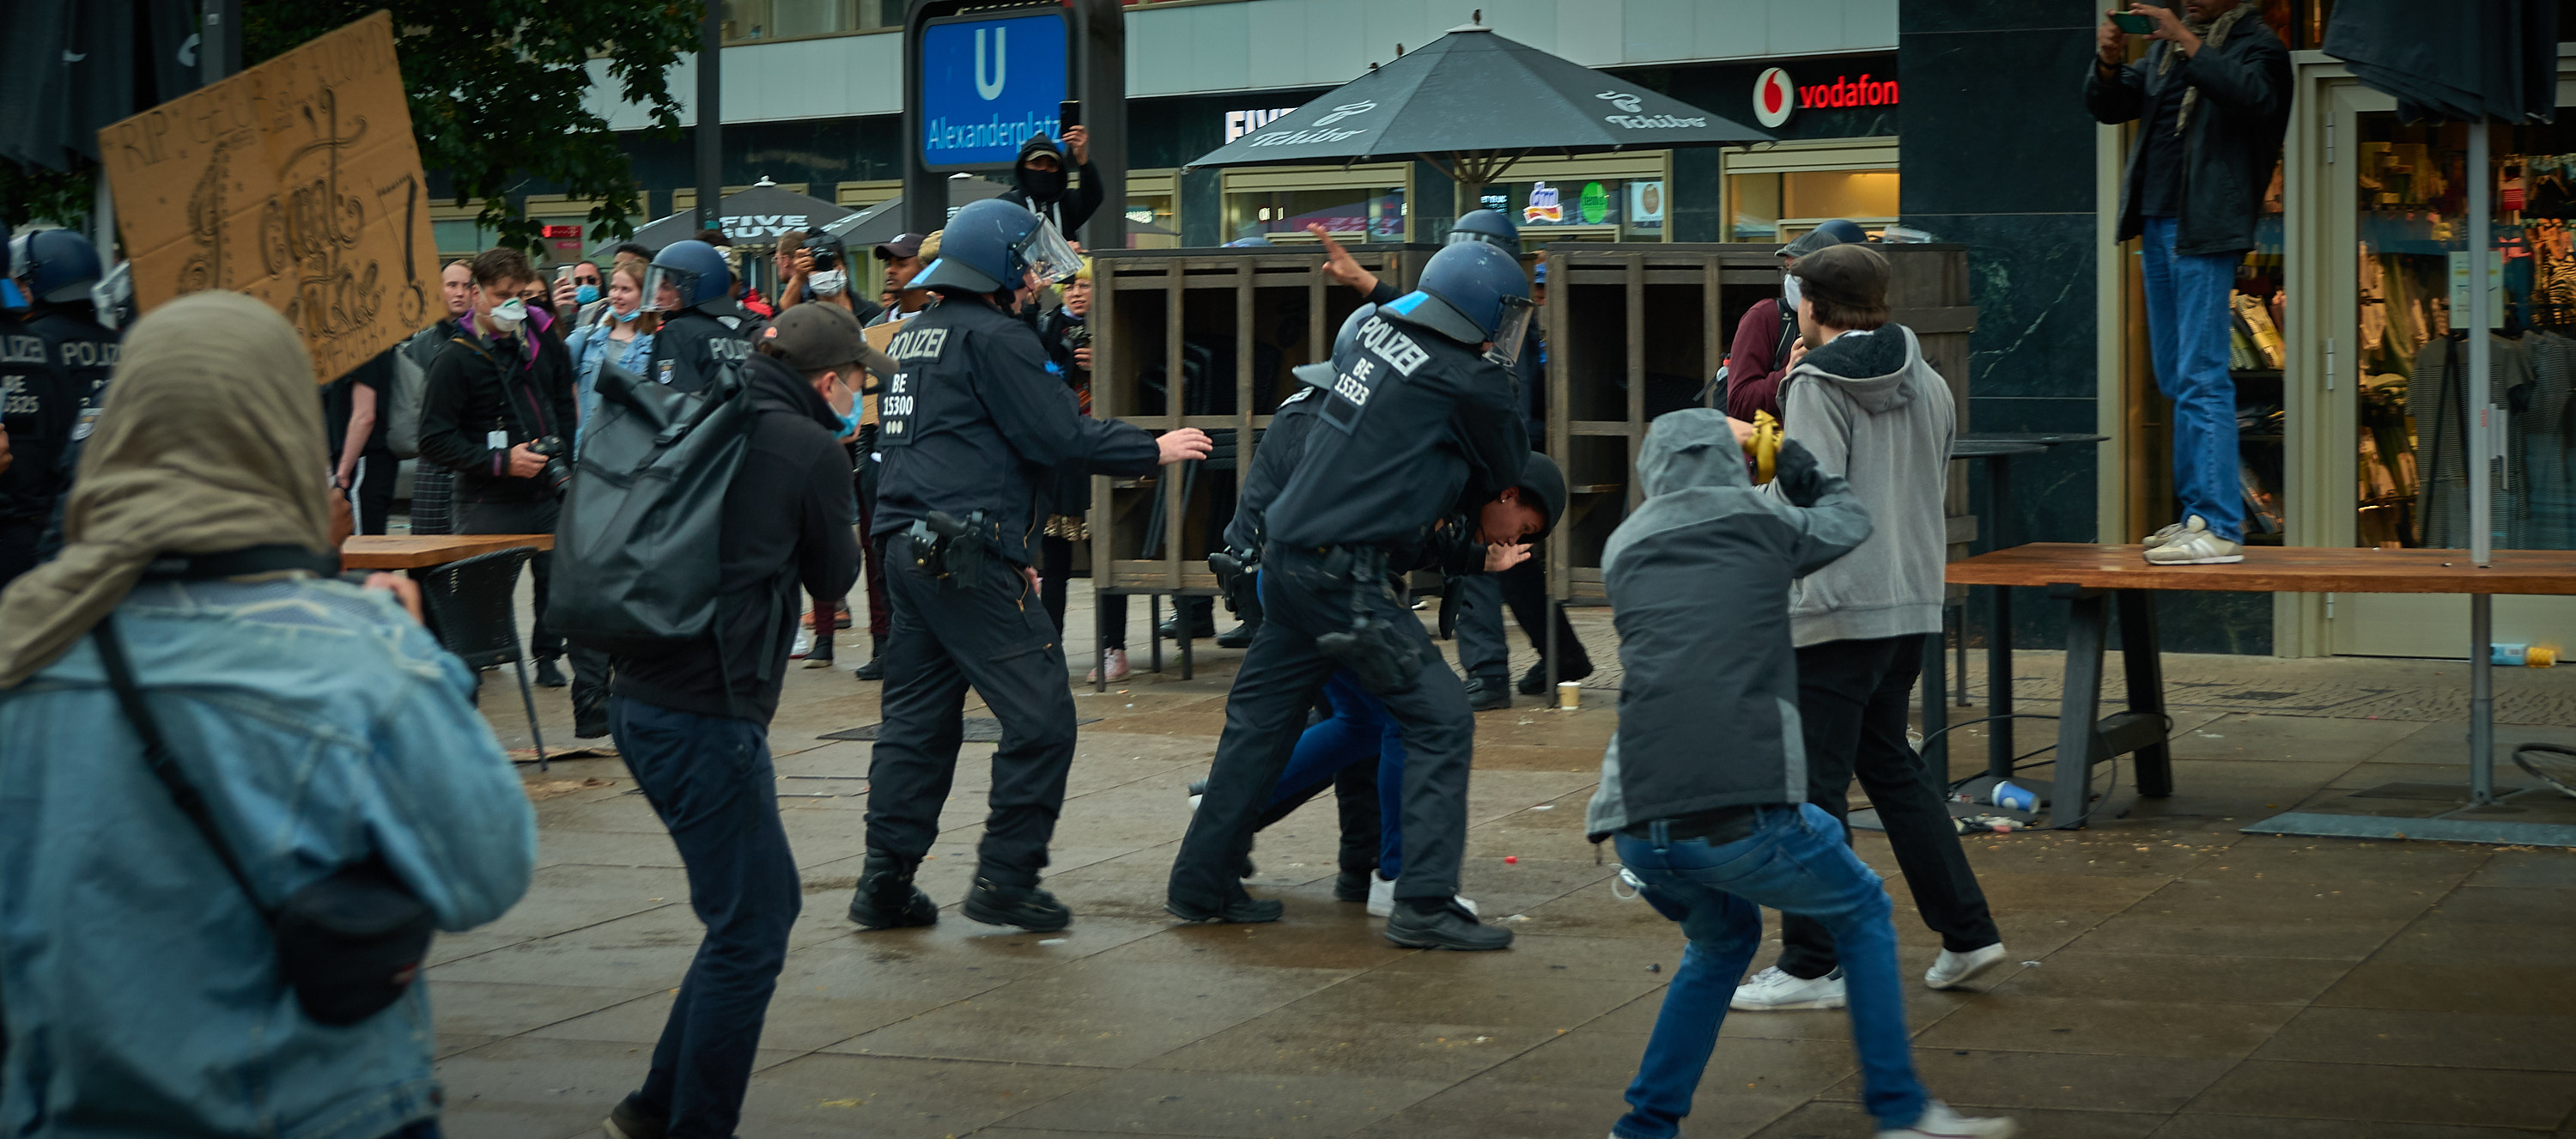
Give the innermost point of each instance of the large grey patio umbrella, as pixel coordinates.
(756, 216)
(1472, 103)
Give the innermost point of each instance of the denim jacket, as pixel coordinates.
(590, 348)
(139, 986)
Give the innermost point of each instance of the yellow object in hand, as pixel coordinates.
(1765, 446)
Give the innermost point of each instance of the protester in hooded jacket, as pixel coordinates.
(1040, 180)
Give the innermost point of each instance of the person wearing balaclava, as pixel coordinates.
(1040, 180)
(318, 723)
(1766, 340)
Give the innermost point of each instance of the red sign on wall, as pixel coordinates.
(562, 231)
(1776, 96)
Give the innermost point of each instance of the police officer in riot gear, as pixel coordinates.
(971, 426)
(53, 370)
(703, 330)
(1419, 420)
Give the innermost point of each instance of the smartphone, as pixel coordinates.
(1068, 116)
(564, 272)
(2132, 23)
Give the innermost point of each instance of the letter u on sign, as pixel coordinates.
(991, 88)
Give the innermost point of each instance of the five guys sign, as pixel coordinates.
(1775, 97)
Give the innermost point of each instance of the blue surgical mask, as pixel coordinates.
(849, 422)
(624, 317)
(585, 294)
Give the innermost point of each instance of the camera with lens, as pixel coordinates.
(558, 456)
(827, 257)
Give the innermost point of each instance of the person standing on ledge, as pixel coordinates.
(2214, 94)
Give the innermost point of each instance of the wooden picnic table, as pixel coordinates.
(2092, 578)
(421, 551)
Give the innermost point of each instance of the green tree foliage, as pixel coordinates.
(496, 90)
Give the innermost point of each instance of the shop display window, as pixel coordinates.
(1582, 209)
(2413, 469)
(1358, 213)
(1154, 210)
(1779, 205)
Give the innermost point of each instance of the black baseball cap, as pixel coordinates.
(903, 245)
(812, 337)
(1542, 482)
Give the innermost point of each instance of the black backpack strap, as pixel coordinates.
(156, 754)
(273, 557)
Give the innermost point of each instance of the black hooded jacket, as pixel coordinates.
(2229, 145)
(788, 519)
(1067, 206)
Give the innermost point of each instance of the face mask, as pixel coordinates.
(585, 294)
(623, 317)
(1044, 185)
(1789, 292)
(510, 314)
(849, 423)
(830, 284)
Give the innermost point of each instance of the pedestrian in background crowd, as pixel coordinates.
(1041, 179)
(320, 726)
(433, 487)
(578, 293)
(625, 336)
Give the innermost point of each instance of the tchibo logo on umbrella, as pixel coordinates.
(1632, 104)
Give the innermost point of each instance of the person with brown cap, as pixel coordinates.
(314, 726)
(1866, 405)
(1766, 342)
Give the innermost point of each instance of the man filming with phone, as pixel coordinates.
(2213, 96)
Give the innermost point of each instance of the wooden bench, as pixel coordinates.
(2091, 579)
(421, 551)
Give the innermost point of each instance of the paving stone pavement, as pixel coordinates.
(2169, 975)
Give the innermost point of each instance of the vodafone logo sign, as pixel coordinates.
(1774, 97)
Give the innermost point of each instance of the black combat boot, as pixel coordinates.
(887, 899)
(1027, 907)
(875, 668)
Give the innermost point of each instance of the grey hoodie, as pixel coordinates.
(1708, 709)
(1872, 411)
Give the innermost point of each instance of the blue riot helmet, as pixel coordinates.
(57, 265)
(1832, 233)
(1471, 292)
(993, 246)
(1488, 226)
(684, 275)
(1320, 373)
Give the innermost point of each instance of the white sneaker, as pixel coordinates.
(1772, 989)
(2196, 546)
(804, 646)
(2161, 537)
(1949, 969)
(1382, 898)
(1117, 669)
(1939, 1122)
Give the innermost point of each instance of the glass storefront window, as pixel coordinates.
(2413, 465)
(1780, 205)
(1364, 214)
(459, 237)
(1155, 210)
(1581, 209)
(749, 21)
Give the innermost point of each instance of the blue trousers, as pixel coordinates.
(2187, 333)
(1358, 731)
(709, 779)
(1796, 862)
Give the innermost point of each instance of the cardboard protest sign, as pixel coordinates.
(297, 182)
(878, 336)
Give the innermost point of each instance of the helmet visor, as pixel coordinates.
(1511, 331)
(668, 288)
(1048, 255)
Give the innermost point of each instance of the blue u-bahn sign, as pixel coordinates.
(987, 84)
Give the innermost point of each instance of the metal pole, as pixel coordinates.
(1101, 86)
(2482, 433)
(2481, 690)
(219, 42)
(102, 222)
(710, 130)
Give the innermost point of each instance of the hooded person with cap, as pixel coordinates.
(318, 723)
(1041, 180)
(1864, 402)
(1703, 785)
(692, 722)
(1766, 340)
(53, 372)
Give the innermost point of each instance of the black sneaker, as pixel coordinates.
(1445, 928)
(1202, 628)
(591, 726)
(1485, 695)
(886, 897)
(1352, 886)
(1237, 637)
(1027, 907)
(630, 1119)
(1534, 682)
(550, 674)
(1241, 909)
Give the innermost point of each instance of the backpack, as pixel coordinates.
(636, 558)
(403, 391)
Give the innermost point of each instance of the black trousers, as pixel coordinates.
(1524, 590)
(371, 491)
(1483, 654)
(1304, 595)
(993, 634)
(1852, 701)
(532, 516)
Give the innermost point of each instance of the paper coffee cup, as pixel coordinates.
(1569, 695)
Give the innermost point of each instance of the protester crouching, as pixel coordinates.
(324, 732)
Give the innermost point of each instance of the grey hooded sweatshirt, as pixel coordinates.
(1869, 409)
(1708, 710)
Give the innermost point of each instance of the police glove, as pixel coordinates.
(1797, 474)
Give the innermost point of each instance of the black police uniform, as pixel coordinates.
(1413, 425)
(695, 342)
(1484, 652)
(53, 371)
(972, 428)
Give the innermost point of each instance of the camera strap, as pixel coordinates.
(156, 754)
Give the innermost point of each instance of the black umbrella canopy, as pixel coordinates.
(1472, 102)
(755, 216)
(2482, 61)
(883, 222)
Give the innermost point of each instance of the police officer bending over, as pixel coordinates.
(53, 374)
(1420, 418)
(970, 428)
(702, 328)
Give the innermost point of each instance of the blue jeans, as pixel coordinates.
(1358, 731)
(2187, 333)
(1795, 862)
(709, 779)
